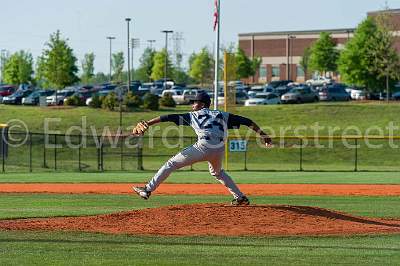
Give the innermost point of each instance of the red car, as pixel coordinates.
(7, 90)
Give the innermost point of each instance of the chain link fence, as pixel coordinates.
(57, 152)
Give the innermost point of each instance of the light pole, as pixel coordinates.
(110, 38)
(291, 37)
(129, 64)
(166, 56)
(150, 42)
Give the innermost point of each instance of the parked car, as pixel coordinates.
(6, 90)
(396, 96)
(319, 81)
(254, 90)
(176, 94)
(280, 90)
(236, 83)
(300, 94)
(58, 97)
(16, 97)
(335, 92)
(187, 96)
(360, 95)
(263, 98)
(241, 97)
(278, 83)
(102, 93)
(83, 95)
(34, 98)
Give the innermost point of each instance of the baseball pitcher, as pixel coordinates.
(211, 128)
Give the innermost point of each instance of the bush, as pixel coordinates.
(110, 101)
(96, 101)
(132, 101)
(167, 101)
(74, 101)
(150, 101)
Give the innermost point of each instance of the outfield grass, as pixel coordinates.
(341, 115)
(204, 177)
(49, 205)
(23, 248)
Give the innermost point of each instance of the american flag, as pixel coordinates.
(216, 15)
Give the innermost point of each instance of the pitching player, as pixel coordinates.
(211, 128)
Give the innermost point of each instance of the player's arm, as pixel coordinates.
(178, 119)
(235, 121)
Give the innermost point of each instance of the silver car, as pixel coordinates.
(300, 94)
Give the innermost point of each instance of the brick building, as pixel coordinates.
(281, 52)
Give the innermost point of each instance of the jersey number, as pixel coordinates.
(206, 124)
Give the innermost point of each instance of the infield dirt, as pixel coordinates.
(217, 220)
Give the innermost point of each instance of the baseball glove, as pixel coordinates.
(140, 128)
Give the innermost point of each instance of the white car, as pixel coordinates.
(358, 95)
(59, 97)
(263, 99)
(319, 81)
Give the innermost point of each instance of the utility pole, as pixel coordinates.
(110, 38)
(166, 56)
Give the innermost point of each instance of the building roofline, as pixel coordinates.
(384, 11)
(301, 32)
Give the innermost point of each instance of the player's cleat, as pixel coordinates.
(240, 201)
(142, 192)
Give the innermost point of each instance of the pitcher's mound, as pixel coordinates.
(215, 219)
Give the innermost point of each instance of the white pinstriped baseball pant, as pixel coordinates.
(201, 151)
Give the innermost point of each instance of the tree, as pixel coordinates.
(181, 76)
(324, 54)
(158, 69)
(100, 78)
(88, 68)
(19, 68)
(384, 57)
(245, 67)
(201, 70)
(118, 66)
(365, 54)
(143, 72)
(57, 64)
(305, 60)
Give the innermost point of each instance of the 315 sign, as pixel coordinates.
(237, 145)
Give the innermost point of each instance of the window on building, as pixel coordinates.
(276, 71)
(300, 71)
(263, 71)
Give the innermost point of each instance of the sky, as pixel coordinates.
(27, 25)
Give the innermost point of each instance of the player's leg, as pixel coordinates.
(215, 167)
(188, 156)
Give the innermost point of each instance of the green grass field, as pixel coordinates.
(61, 248)
(189, 177)
(341, 115)
(97, 249)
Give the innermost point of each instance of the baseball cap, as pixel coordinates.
(203, 97)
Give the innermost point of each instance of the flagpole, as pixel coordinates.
(216, 72)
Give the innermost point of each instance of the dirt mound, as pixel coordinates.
(215, 219)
